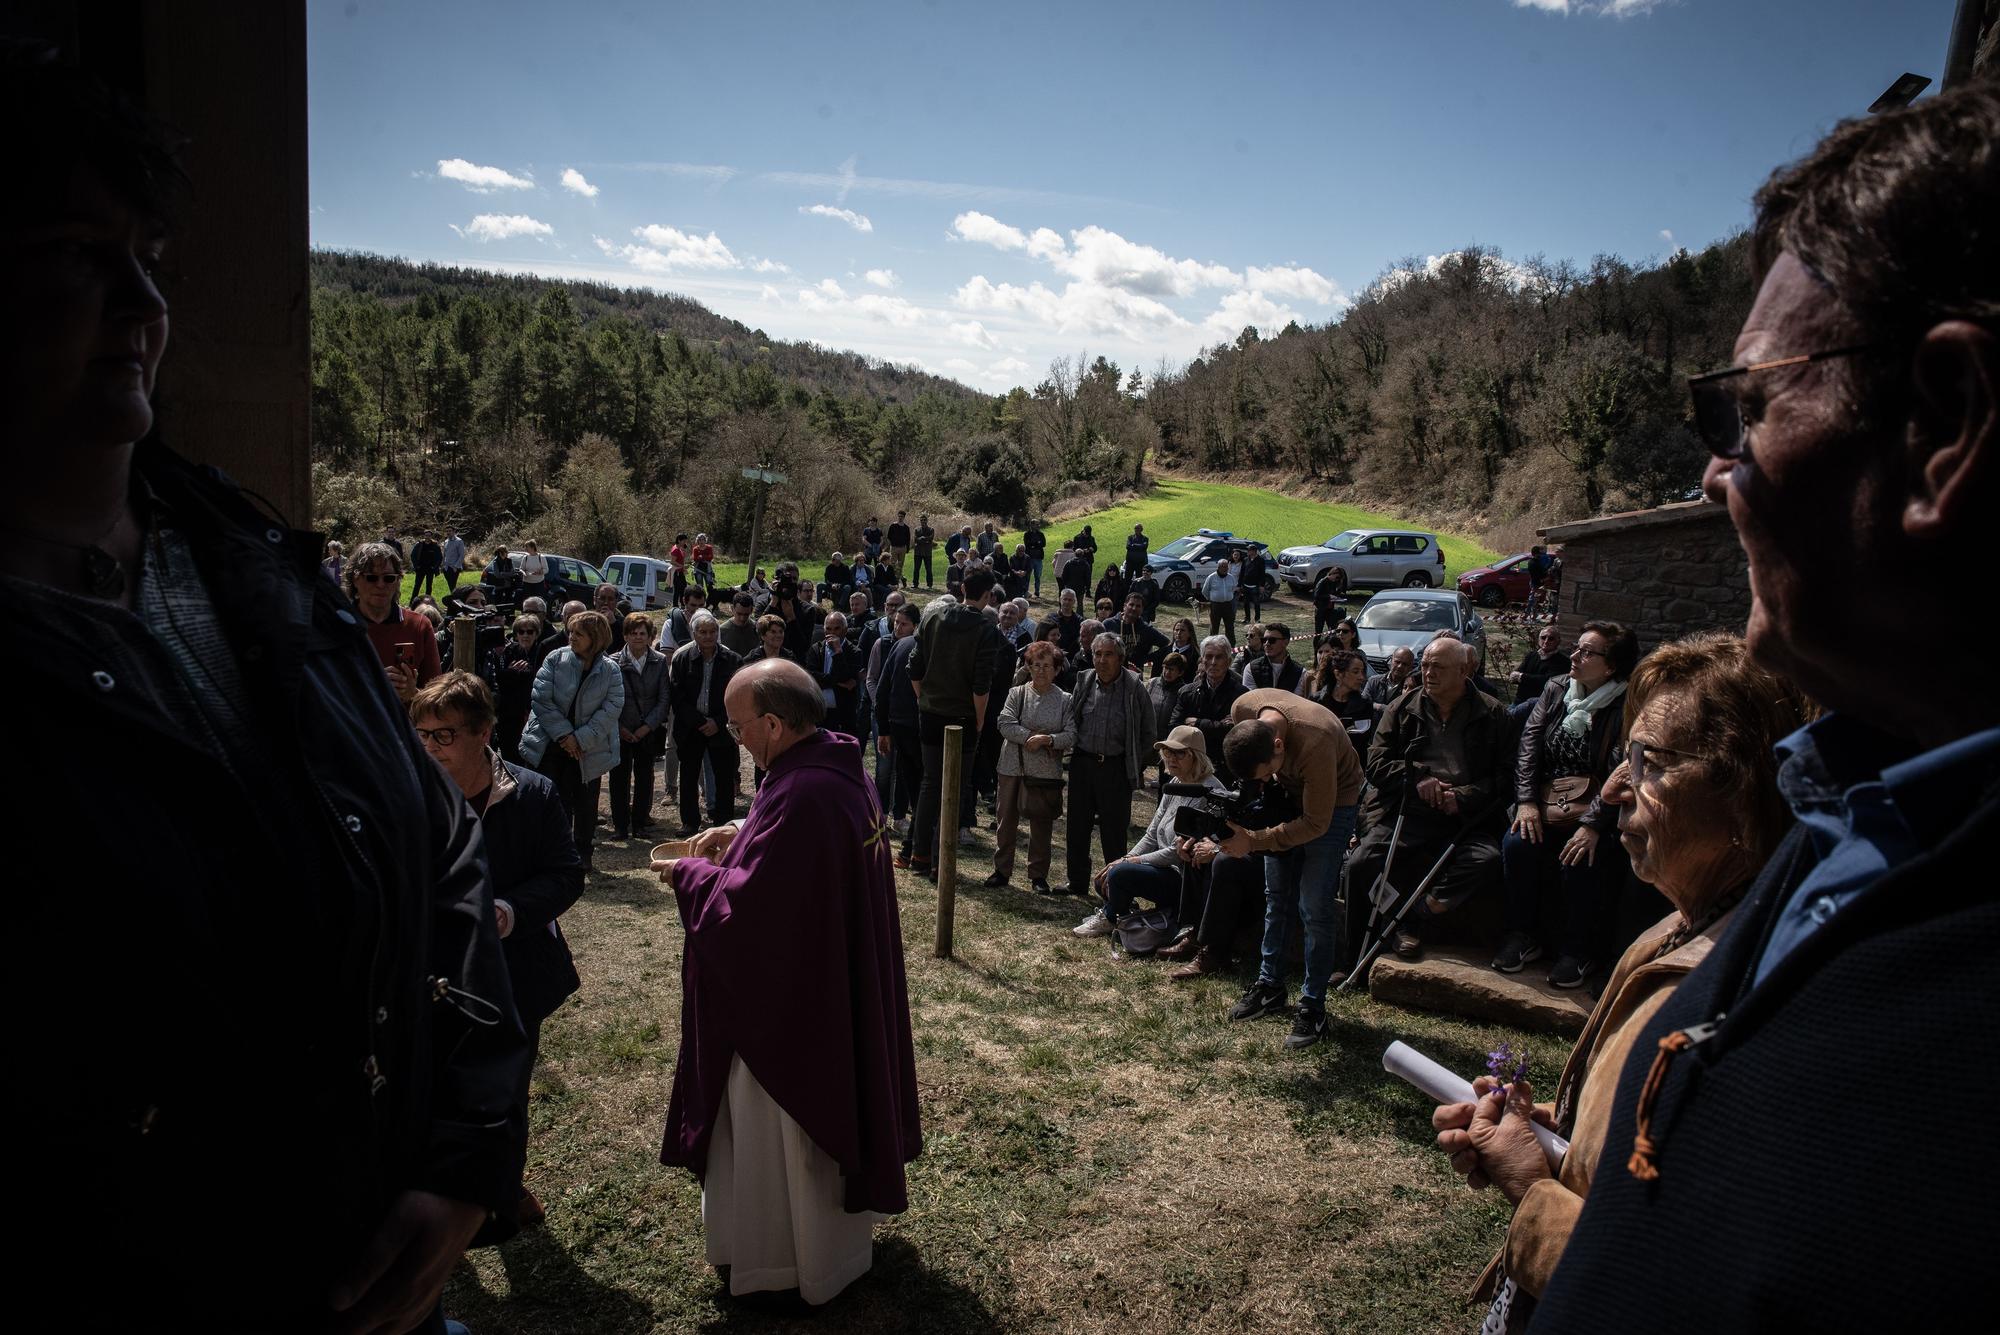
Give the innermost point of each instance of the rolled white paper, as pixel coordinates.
(1406, 1063)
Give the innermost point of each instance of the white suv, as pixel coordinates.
(1374, 558)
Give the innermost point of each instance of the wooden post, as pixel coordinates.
(756, 531)
(465, 644)
(947, 838)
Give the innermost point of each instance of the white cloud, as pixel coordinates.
(1007, 366)
(962, 366)
(885, 279)
(1080, 308)
(1294, 281)
(1104, 257)
(769, 266)
(572, 179)
(1616, 9)
(1248, 307)
(1667, 235)
(501, 226)
(481, 180)
(1045, 244)
(701, 171)
(973, 334)
(1100, 257)
(670, 248)
(975, 226)
(858, 222)
(890, 310)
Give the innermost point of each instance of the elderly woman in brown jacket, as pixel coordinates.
(1698, 811)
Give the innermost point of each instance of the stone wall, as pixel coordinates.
(1664, 572)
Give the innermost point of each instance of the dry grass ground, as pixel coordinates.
(1103, 1149)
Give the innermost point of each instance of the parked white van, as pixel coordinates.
(642, 581)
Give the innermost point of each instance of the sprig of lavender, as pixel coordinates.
(1507, 1064)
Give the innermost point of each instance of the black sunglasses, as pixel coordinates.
(1718, 414)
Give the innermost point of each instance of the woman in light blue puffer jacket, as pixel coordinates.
(572, 732)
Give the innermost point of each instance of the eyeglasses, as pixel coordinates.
(1581, 652)
(378, 579)
(736, 730)
(1718, 415)
(1637, 766)
(1276, 639)
(437, 736)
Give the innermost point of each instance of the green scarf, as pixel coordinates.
(1580, 710)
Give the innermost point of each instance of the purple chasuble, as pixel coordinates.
(794, 960)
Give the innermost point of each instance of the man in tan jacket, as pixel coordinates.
(1298, 745)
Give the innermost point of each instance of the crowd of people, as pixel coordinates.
(339, 1003)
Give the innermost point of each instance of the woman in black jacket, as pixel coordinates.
(1112, 586)
(1570, 746)
(510, 672)
(536, 872)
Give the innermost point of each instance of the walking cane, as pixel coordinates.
(1368, 957)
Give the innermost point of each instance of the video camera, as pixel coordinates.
(1254, 806)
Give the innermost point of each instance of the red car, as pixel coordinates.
(1501, 583)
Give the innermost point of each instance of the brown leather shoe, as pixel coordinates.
(1207, 960)
(1183, 949)
(529, 1213)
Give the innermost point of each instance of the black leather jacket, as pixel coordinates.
(1607, 731)
(270, 994)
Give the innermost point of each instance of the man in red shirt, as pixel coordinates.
(404, 640)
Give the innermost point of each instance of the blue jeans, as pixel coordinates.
(1035, 573)
(1307, 876)
(1142, 880)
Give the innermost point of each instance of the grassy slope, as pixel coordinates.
(1177, 506)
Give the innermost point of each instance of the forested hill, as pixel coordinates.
(431, 288)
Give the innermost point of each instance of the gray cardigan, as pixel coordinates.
(1025, 714)
(645, 690)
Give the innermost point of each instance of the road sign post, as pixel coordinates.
(766, 479)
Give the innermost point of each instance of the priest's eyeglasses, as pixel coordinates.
(1718, 412)
(736, 729)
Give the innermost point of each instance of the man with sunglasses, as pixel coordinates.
(1274, 668)
(1805, 1116)
(405, 641)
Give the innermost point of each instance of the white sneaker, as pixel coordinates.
(902, 826)
(1095, 925)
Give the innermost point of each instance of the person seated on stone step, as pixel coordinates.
(1440, 759)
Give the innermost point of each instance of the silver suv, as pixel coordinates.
(1374, 558)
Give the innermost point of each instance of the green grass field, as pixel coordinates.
(1176, 507)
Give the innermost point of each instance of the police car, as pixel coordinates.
(1181, 565)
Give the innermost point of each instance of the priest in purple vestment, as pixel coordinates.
(795, 1095)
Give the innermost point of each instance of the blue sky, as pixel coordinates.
(978, 189)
